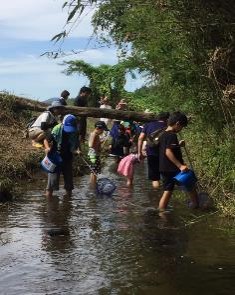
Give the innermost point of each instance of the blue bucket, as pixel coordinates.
(187, 179)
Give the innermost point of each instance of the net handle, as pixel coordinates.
(88, 165)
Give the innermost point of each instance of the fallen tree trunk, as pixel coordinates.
(22, 103)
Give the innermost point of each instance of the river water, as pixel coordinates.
(112, 245)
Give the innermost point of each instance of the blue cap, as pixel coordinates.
(70, 124)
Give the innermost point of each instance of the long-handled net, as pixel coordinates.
(104, 185)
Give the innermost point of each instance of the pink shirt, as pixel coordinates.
(126, 165)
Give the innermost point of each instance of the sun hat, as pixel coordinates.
(70, 124)
(101, 125)
(55, 104)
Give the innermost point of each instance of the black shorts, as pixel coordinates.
(153, 168)
(168, 180)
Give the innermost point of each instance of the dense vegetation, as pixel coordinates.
(18, 159)
(187, 49)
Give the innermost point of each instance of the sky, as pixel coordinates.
(26, 28)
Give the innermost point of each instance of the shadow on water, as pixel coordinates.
(111, 245)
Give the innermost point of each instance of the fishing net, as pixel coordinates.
(105, 186)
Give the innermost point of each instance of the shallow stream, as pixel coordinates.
(112, 245)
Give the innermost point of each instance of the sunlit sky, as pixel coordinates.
(26, 28)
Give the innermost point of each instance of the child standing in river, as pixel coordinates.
(95, 150)
(126, 167)
(64, 141)
(171, 160)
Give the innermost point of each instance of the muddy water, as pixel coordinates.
(119, 245)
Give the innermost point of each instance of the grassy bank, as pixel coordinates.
(18, 158)
(212, 156)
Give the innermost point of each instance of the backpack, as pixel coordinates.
(29, 124)
(154, 137)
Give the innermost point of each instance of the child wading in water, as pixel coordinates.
(64, 140)
(95, 149)
(126, 167)
(120, 142)
(171, 160)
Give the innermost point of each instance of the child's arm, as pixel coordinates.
(91, 142)
(170, 155)
(47, 146)
(140, 144)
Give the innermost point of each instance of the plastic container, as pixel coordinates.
(187, 179)
(51, 163)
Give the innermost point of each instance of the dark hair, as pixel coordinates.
(178, 117)
(101, 125)
(64, 93)
(85, 89)
(163, 116)
(121, 127)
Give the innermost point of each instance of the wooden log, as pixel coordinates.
(22, 103)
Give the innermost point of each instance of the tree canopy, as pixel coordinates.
(104, 79)
(186, 46)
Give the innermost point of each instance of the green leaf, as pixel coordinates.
(65, 4)
(73, 12)
(57, 37)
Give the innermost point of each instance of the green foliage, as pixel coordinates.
(187, 48)
(104, 79)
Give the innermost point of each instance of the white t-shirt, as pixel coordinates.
(105, 106)
(46, 117)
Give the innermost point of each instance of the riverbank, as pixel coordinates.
(18, 159)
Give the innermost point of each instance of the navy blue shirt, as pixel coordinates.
(150, 128)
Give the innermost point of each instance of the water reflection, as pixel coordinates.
(56, 214)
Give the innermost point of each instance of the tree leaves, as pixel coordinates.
(74, 11)
(57, 37)
(104, 79)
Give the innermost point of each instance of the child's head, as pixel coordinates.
(121, 129)
(177, 120)
(65, 94)
(100, 127)
(85, 91)
(70, 124)
(56, 107)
